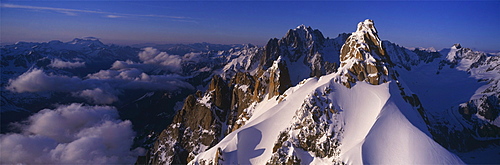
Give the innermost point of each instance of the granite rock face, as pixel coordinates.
(363, 57)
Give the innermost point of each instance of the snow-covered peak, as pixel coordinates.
(87, 41)
(302, 26)
(457, 53)
(303, 36)
(367, 26)
(452, 54)
(363, 44)
(363, 57)
(427, 49)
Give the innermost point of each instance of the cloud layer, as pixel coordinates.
(104, 86)
(37, 81)
(72, 134)
(152, 59)
(99, 88)
(97, 96)
(57, 63)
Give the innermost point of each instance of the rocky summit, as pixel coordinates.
(363, 58)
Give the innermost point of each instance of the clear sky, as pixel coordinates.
(439, 24)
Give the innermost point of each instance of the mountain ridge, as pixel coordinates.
(370, 59)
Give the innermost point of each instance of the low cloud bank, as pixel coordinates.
(57, 63)
(71, 134)
(104, 86)
(100, 87)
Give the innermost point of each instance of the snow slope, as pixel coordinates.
(378, 128)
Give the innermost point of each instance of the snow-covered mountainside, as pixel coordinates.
(458, 89)
(320, 121)
(256, 74)
(263, 107)
(356, 115)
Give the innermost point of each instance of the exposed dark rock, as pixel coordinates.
(221, 97)
(314, 121)
(271, 53)
(363, 57)
(279, 80)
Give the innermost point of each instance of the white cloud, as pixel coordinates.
(68, 13)
(97, 96)
(36, 80)
(74, 12)
(117, 65)
(154, 60)
(168, 62)
(98, 88)
(136, 79)
(57, 63)
(194, 57)
(71, 134)
(113, 16)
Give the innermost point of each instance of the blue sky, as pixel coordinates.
(438, 24)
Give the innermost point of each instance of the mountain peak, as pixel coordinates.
(303, 36)
(302, 26)
(362, 57)
(87, 41)
(456, 46)
(367, 26)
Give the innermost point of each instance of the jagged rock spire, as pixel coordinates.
(363, 58)
(298, 42)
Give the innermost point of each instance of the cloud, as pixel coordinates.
(168, 62)
(68, 13)
(194, 57)
(97, 96)
(57, 63)
(99, 88)
(125, 74)
(74, 12)
(136, 79)
(71, 134)
(152, 60)
(113, 16)
(36, 80)
(103, 87)
(117, 65)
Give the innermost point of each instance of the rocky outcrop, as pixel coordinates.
(196, 127)
(315, 129)
(363, 58)
(307, 48)
(271, 52)
(242, 94)
(279, 79)
(220, 90)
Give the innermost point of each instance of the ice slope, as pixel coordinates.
(397, 136)
(379, 127)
